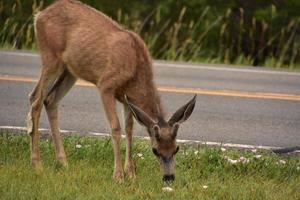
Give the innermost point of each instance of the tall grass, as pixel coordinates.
(231, 36)
(15, 31)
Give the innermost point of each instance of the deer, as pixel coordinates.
(76, 41)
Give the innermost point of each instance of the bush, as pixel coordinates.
(250, 32)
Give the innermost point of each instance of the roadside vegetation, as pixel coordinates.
(202, 173)
(262, 33)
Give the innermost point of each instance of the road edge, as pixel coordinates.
(45, 131)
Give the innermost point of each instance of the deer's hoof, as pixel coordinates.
(118, 175)
(37, 164)
(129, 172)
(61, 163)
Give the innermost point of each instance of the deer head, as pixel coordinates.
(163, 135)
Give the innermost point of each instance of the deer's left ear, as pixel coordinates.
(183, 113)
(140, 116)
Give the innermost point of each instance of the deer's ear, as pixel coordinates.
(140, 116)
(183, 113)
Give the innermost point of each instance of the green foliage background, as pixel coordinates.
(253, 32)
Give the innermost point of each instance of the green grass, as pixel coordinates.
(89, 175)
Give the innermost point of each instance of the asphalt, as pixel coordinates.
(216, 118)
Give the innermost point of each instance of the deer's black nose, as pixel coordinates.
(169, 178)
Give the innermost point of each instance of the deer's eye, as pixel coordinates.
(154, 150)
(177, 149)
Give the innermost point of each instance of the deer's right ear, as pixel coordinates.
(140, 116)
(183, 113)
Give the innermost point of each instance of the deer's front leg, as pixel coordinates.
(109, 104)
(129, 167)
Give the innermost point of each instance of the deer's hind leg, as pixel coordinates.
(58, 91)
(52, 69)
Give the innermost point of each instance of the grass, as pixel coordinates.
(89, 175)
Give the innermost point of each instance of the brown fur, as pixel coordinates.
(77, 41)
(95, 48)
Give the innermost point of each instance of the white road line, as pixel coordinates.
(215, 68)
(229, 145)
(186, 66)
(20, 54)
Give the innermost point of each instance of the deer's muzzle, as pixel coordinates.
(167, 166)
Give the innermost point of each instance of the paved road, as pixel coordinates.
(235, 105)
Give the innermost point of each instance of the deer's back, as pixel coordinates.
(90, 43)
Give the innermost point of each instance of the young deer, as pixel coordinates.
(77, 41)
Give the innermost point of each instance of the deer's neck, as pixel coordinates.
(143, 89)
(151, 104)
